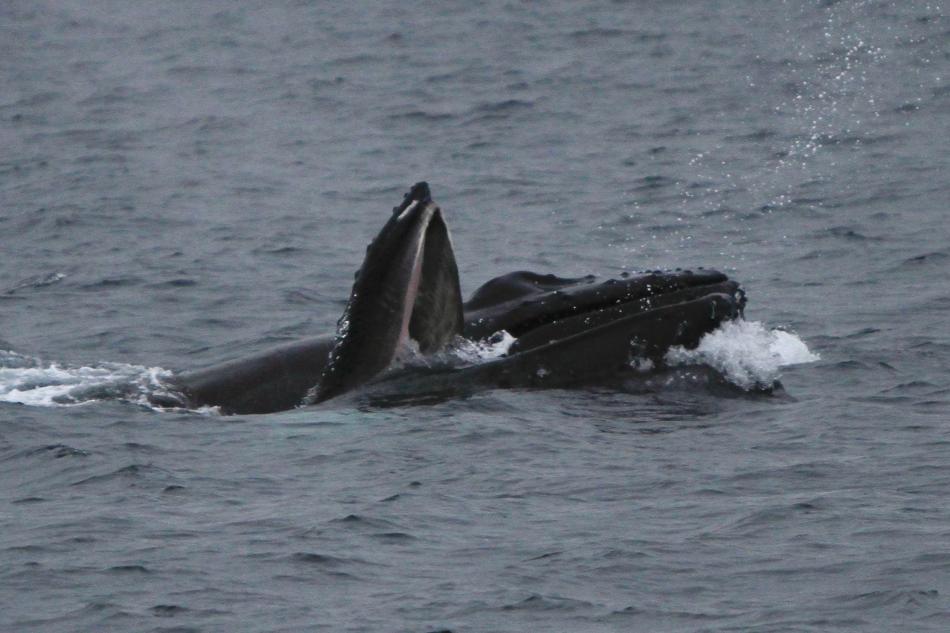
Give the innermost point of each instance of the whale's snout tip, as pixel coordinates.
(420, 191)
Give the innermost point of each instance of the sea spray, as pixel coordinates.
(746, 352)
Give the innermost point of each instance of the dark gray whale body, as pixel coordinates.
(567, 331)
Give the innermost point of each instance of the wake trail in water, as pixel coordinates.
(31, 381)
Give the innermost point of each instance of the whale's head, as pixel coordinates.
(407, 288)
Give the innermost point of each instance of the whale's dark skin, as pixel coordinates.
(567, 330)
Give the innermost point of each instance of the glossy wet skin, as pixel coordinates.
(585, 340)
(568, 331)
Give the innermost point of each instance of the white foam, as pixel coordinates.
(495, 346)
(746, 353)
(642, 365)
(27, 380)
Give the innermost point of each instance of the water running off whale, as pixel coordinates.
(547, 331)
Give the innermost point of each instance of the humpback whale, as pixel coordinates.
(566, 330)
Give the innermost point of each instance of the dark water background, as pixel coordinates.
(184, 182)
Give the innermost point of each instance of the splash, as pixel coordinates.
(495, 346)
(747, 353)
(27, 380)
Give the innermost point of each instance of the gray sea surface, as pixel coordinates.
(183, 183)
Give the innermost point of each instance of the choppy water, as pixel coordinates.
(183, 183)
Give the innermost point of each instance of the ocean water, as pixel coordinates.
(184, 183)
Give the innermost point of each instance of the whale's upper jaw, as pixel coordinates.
(407, 287)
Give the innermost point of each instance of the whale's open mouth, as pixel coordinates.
(407, 287)
(567, 330)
